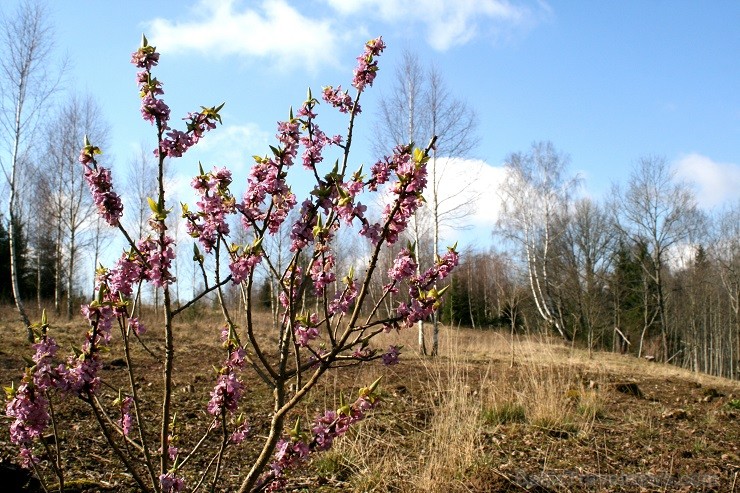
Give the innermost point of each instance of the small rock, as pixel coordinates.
(675, 414)
(712, 393)
(115, 363)
(629, 388)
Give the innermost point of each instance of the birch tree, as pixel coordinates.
(73, 206)
(419, 107)
(535, 197)
(26, 84)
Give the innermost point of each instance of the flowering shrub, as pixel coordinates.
(338, 331)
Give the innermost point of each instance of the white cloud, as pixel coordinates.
(461, 180)
(715, 182)
(448, 23)
(274, 31)
(232, 146)
(228, 146)
(469, 181)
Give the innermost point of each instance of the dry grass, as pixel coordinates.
(435, 434)
(435, 444)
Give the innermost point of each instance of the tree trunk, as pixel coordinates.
(13, 234)
(70, 274)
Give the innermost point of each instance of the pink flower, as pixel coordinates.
(145, 57)
(215, 204)
(322, 272)
(267, 179)
(343, 300)
(30, 408)
(305, 334)
(127, 420)
(313, 147)
(127, 271)
(154, 110)
(404, 266)
(390, 357)
(81, 374)
(240, 433)
(136, 326)
(106, 200)
(226, 394)
(367, 66)
(171, 483)
(159, 259)
(243, 265)
(340, 100)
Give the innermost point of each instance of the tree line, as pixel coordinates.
(645, 272)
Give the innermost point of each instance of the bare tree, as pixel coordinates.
(589, 241)
(454, 123)
(662, 213)
(26, 85)
(535, 197)
(400, 122)
(73, 206)
(727, 254)
(419, 107)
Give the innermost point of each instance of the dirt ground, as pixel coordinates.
(653, 427)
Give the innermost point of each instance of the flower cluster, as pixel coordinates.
(440, 270)
(127, 420)
(170, 483)
(341, 100)
(306, 329)
(215, 204)
(390, 357)
(242, 263)
(226, 394)
(29, 404)
(81, 373)
(228, 390)
(240, 432)
(313, 145)
(155, 110)
(410, 169)
(121, 278)
(404, 266)
(30, 408)
(158, 259)
(322, 272)
(325, 429)
(367, 65)
(425, 298)
(267, 178)
(344, 299)
(135, 324)
(100, 183)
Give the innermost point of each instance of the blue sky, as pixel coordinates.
(607, 82)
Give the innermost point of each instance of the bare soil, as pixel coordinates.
(657, 428)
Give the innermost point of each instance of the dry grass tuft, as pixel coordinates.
(431, 438)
